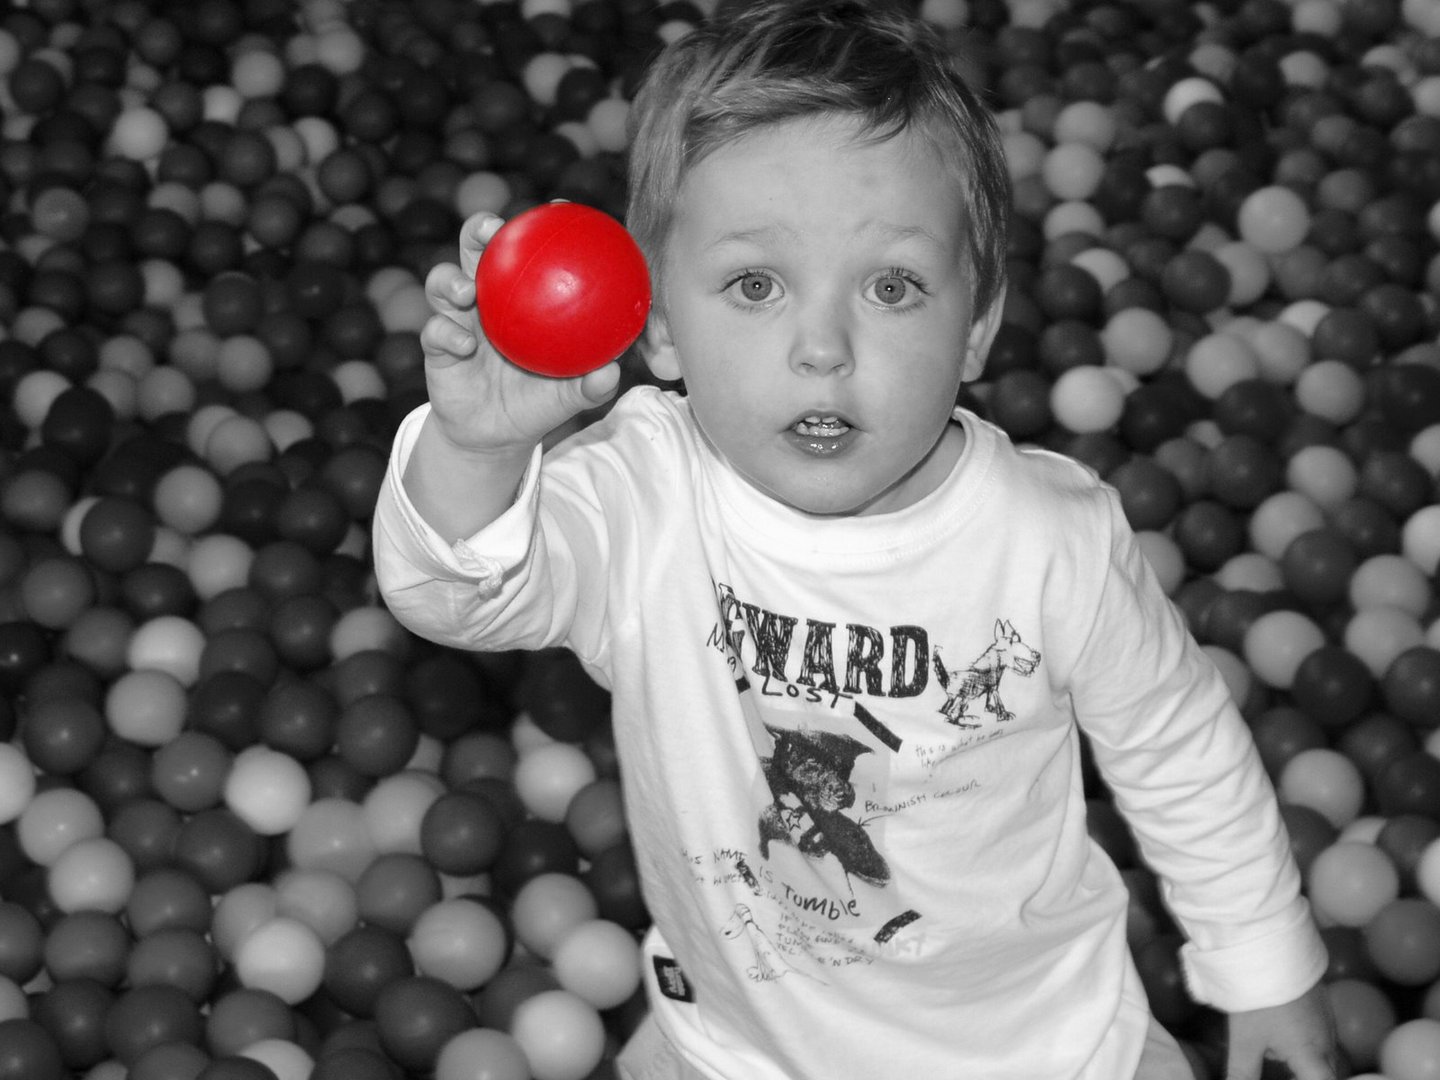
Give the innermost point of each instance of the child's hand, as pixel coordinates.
(1301, 1034)
(479, 400)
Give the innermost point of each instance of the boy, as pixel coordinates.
(851, 633)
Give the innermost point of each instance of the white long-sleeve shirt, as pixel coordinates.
(849, 750)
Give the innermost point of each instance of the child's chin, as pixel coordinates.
(824, 503)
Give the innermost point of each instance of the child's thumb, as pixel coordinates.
(599, 386)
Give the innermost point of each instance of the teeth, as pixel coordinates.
(825, 426)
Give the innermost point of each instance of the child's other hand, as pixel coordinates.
(481, 401)
(1300, 1034)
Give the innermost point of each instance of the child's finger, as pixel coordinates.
(449, 289)
(474, 235)
(444, 341)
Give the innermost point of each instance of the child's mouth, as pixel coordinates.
(821, 427)
(821, 434)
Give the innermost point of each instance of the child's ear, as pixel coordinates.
(658, 349)
(982, 335)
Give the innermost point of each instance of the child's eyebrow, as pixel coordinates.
(761, 234)
(767, 234)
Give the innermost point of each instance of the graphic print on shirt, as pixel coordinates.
(809, 775)
(981, 680)
(818, 891)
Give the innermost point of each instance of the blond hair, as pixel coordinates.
(769, 61)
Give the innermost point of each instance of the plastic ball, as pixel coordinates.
(1325, 781)
(1332, 685)
(146, 707)
(562, 289)
(1137, 340)
(1390, 581)
(548, 777)
(54, 820)
(321, 899)
(1403, 940)
(1072, 171)
(243, 1017)
(600, 962)
(1427, 873)
(460, 941)
(1277, 643)
(1324, 474)
(416, 1016)
(1411, 685)
(117, 534)
(174, 957)
(286, 1059)
(1218, 362)
(562, 1035)
(284, 957)
(461, 833)
(395, 809)
(31, 1052)
(165, 898)
(1364, 1016)
(1087, 399)
(357, 1062)
(547, 908)
(235, 1067)
(377, 734)
(1409, 784)
(596, 816)
(218, 848)
(267, 790)
(1274, 219)
(55, 592)
(144, 827)
(93, 874)
(1332, 390)
(332, 835)
(74, 1012)
(169, 644)
(1377, 635)
(395, 890)
(482, 1054)
(189, 771)
(1420, 538)
(1318, 567)
(361, 963)
(1349, 882)
(147, 1016)
(17, 782)
(1248, 271)
(1411, 1051)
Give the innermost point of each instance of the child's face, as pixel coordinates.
(817, 301)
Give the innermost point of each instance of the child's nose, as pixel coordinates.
(822, 343)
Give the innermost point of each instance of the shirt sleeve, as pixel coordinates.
(514, 584)
(1183, 769)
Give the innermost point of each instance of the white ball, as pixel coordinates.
(562, 1035)
(599, 960)
(283, 956)
(17, 782)
(268, 790)
(547, 778)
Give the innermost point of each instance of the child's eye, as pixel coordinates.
(753, 287)
(894, 289)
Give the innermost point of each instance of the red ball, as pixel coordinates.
(562, 290)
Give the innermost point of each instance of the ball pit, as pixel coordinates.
(252, 830)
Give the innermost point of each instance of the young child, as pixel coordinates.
(852, 634)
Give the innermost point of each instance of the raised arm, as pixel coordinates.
(487, 415)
